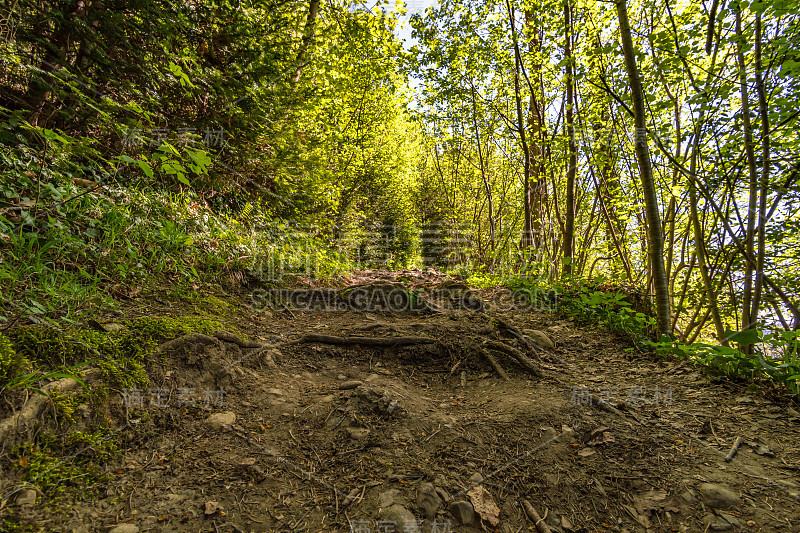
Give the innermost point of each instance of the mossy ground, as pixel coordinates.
(122, 353)
(66, 460)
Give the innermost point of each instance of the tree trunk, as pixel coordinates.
(527, 233)
(569, 221)
(308, 37)
(654, 234)
(749, 242)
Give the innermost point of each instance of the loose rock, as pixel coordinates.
(357, 433)
(539, 337)
(428, 500)
(718, 496)
(402, 519)
(125, 528)
(463, 512)
(218, 421)
(26, 497)
(388, 498)
(476, 478)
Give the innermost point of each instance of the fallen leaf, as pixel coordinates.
(484, 505)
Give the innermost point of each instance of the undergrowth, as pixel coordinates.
(626, 310)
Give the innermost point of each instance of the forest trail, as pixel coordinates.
(318, 432)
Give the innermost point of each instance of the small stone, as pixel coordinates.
(218, 421)
(443, 494)
(26, 497)
(327, 399)
(716, 523)
(341, 377)
(732, 520)
(275, 392)
(717, 496)
(549, 434)
(387, 499)
(125, 528)
(401, 518)
(357, 433)
(689, 497)
(349, 385)
(539, 337)
(476, 478)
(463, 512)
(428, 500)
(211, 508)
(372, 377)
(334, 421)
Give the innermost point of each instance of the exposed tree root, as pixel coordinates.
(363, 341)
(518, 356)
(492, 361)
(36, 404)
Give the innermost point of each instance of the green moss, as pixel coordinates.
(11, 362)
(65, 404)
(214, 305)
(121, 355)
(57, 464)
(161, 329)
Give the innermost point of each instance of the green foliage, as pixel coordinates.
(777, 359)
(598, 304)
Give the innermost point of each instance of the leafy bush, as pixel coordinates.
(776, 360)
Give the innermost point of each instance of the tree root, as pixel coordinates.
(383, 342)
(492, 361)
(36, 404)
(520, 357)
(538, 521)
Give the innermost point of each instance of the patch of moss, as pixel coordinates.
(213, 305)
(67, 463)
(11, 363)
(121, 355)
(161, 329)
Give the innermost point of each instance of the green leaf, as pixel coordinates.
(746, 337)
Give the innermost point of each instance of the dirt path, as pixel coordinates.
(423, 437)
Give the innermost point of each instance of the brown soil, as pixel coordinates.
(328, 437)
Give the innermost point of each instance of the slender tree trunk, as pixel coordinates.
(765, 168)
(538, 184)
(486, 185)
(699, 234)
(527, 233)
(654, 233)
(308, 37)
(749, 243)
(569, 221)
